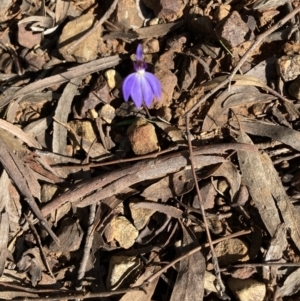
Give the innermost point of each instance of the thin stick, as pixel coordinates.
(191, 252)
(221, 286)
(37, 237)
(87, 247)
(95, 27)
(258, 40)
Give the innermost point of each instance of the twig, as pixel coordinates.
(95, 27)
(258, 40)
(37, 237)
(221, 286)
(66, 296)
(191, 252)
(87, 247)
(264, 264)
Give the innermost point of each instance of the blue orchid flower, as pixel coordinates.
(141, 86)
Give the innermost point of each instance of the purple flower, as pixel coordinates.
(141, 86)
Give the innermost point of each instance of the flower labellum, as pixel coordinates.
(141, 86)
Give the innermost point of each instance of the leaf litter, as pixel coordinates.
(193, 194)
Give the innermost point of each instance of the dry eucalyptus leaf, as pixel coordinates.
(255, 178)
(4, 230)
(278, 244)
(277, 132)
(61, 10)
(4, 8)
(62, 111)
(159, 190)
(32, 263)
(70, 234)
(189, 283)
(183, 182)
(231, 174)
(291, 284)
(149, 289)
(166, 209)
(289, 213)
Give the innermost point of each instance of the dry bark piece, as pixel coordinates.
(247, 289)
(123, 270)
(233, 31)
(123, 232)
(288, 67)
(87, 50)
(70, 234)
(142, 137)
(231, 251)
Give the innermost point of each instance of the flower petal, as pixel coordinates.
(127, 85)
(136, 91)
(139, 52)
(147, 91)
(155, 84)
